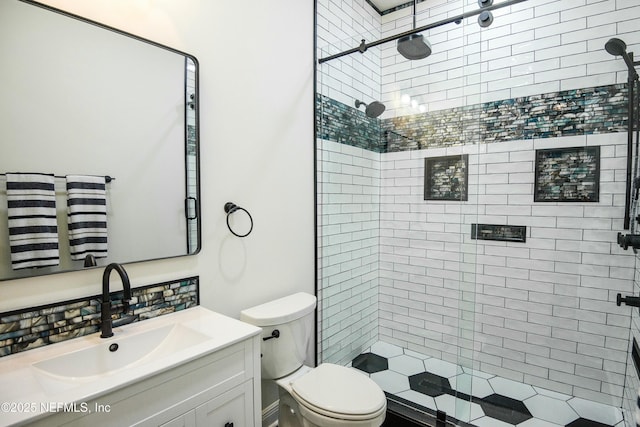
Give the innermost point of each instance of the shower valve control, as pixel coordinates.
(632, 301)
(626, 240)
(274, 334)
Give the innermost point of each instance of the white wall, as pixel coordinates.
(256, 116)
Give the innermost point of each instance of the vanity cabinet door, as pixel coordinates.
(231, 409)
(185, 420)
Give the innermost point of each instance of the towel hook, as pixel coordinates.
(230, 208)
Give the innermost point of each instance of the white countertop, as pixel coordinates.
(27, 393)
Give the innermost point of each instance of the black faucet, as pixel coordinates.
(90, 261)
(105, 311)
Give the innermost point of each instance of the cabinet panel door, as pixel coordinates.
(231, 409)
(185, 420)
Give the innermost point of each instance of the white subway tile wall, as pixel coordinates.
(542, 312)
(631, 397)
(538, 46)
(348, 239)
(340, 26)
(396, 268)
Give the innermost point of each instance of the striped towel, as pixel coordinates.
(87, 216)
(31, 210)
(637, 411)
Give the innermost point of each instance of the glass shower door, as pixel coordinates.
(396, 199)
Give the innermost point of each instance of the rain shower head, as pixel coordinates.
(414, 46)
(373, 109)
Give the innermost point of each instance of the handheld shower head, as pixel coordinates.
(616, 47)
(373, 109)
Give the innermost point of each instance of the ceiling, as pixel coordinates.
(383, 6)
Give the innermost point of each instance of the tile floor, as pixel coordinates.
(491, 402)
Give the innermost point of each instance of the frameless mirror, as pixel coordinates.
(81, 98)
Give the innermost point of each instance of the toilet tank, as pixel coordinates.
(292, 317)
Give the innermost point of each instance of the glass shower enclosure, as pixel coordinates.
(468, 259)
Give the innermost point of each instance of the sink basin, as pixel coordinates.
(117, 353)
(83, 369)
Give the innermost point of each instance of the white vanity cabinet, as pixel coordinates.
(226, 396)
(219, 389)
(231, 409)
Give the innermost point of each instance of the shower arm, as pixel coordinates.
(414, 14)
(364, 46)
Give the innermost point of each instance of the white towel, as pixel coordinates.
(87, 216)
(33, 229)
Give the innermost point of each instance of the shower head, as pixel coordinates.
(373, 109)
(414, 46)
(617, 47)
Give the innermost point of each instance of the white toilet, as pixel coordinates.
(327, 396)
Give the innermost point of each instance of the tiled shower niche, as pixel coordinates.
(34, 327)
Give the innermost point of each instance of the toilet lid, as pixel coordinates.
(339, 390)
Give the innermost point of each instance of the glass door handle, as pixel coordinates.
(632, 301)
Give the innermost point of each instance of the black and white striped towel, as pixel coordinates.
(87, 216)
(637, 411)
(33, 229)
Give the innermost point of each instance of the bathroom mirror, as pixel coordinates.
(81, 98)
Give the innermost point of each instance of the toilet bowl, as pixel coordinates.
(326, 396)
(331, 395)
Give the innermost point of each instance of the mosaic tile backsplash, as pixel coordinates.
(573, 112)
(38, 326)
(345, 124)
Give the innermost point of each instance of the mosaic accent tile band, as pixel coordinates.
(573, 112)
(34, 327)
(341, 123)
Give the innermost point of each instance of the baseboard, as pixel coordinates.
(270, 415)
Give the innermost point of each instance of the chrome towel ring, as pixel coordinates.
(230, 208)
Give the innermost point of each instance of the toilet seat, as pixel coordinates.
(338, 392)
